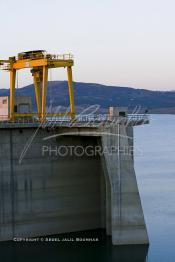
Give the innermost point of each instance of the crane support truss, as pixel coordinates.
(40, 63)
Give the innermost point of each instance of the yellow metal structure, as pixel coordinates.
(39, 62)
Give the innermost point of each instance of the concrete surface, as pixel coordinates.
(50, 194)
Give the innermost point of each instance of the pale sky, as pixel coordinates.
(114, 42)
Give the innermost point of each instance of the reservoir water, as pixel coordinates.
(155, 171)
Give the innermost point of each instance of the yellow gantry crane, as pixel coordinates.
(39, 62)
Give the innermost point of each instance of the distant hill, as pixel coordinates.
(89, 94)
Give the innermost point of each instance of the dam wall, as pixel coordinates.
(43, 192)
(125, 220)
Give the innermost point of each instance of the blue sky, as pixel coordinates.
(115, 42)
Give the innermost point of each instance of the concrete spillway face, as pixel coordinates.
(51, 194)
(124, 215)
(48, 193)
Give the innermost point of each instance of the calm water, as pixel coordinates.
(155, 169)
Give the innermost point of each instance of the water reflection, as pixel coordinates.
(72, 250)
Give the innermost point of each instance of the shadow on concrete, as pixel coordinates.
(72, 247)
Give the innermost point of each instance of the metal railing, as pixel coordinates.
(133, 119)
(60, 57)
(6, 65)
(109, 118)
(67, 56)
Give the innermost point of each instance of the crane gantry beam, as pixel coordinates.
(39, 62)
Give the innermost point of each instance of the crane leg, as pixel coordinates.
(44, 91)
(37, 86)
(12, 92)
(71, 91)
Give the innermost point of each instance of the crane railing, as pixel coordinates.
(5, 64)
(87, 120)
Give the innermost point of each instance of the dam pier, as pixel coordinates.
(42, 193)
(48, 189)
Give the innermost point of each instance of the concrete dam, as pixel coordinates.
(62, 172)
(46, 189)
